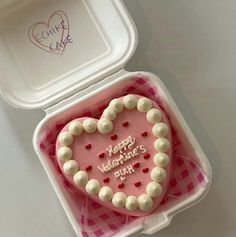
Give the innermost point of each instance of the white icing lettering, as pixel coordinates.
(117, 174)
(135, 152)
(130, 169)
(126, 152)
(124, 145)
(101, 169)
(143, 149)
(122, 173)
(109, 150)
(112, 164)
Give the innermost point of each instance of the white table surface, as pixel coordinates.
(191, 45)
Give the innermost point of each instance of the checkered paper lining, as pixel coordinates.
(96, 220)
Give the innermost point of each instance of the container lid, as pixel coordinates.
(51, 49)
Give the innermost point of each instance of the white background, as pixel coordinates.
(191, 45)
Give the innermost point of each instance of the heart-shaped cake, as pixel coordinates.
(122, 160)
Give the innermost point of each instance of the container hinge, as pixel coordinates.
(76, 97)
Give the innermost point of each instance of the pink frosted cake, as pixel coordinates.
(122, 160)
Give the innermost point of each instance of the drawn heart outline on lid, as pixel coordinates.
(55, 30)
(142, 190)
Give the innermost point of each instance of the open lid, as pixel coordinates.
(51, 49)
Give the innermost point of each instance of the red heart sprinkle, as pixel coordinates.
(145, 170)
(88, 146)
(114, 137)
(138, 184)
(106, 180)
(146, 156)
(126, 124)
(136, 165)
(144, 134)
(121, 185)
(101, 155)
(88, 168)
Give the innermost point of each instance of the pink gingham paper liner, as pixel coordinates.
(96, 220)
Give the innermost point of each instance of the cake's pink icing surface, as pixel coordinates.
(87, 158)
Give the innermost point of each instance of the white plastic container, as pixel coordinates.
(61, 55)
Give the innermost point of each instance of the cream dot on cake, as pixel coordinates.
(119, 199)
(158, 174)
(130, 101)
(76, 128)
(65, 138)
(144, 104)
(104, 126)
(70, 167)
(162, 145)
(105, 194)
(160, 130)
(64, 153)
(92, 186)
(90, 125)
(116, 105)
(109, 114)
(161, 160)
(81, 178)
(154, 189)
(154, 116)
(131, 203)
(145, 202)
